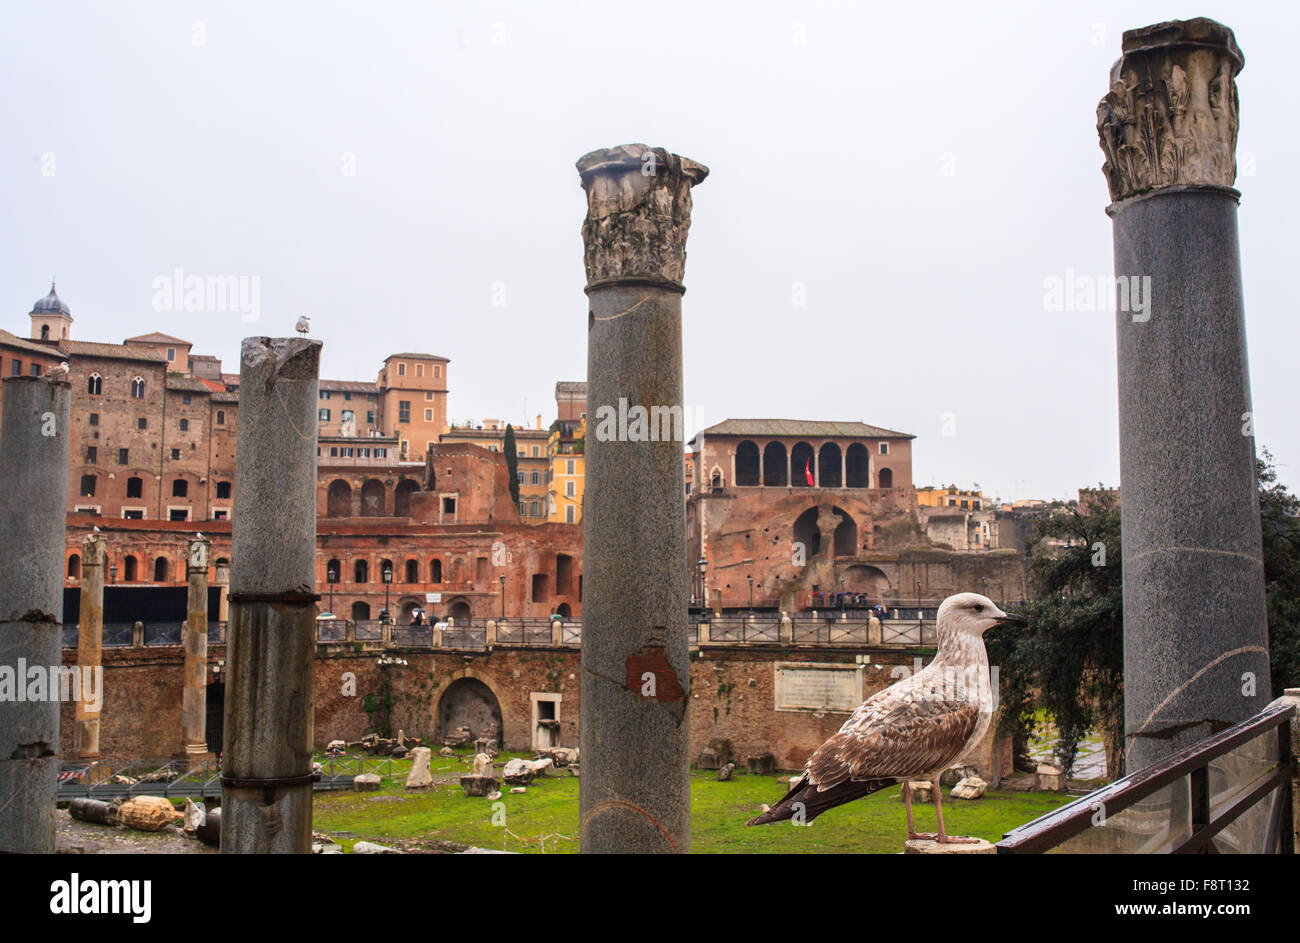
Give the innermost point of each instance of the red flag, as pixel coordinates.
(807, 472)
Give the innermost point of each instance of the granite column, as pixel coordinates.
(1195, 631)
(635, 787)
(33, 521)
(194, 639)
(267, 768)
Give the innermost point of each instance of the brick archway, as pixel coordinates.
(479, 689)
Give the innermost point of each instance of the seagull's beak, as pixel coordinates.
(1008, 619)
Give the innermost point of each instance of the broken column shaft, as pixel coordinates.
(266, 769)
(90, 645)
(635, 786)
(194, 639)
(33, 520)
(1195, 632)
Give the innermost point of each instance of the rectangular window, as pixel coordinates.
(36, 369)
(142, 423)
(123, 456)
(381, 453)
(92, 455)
(568, 466)
(94, 419)
(178, 514)
(437, 371)
(132, 514)
(220, 515)
(428, 397)
(334, 451)
(16, 368)
(323, 415)
(171, 354)
(401, 369)
(570, 489)
(176, 455)
(569, 515)
(884, 448)
(347, 396)
(419, 369)
(185, 398)
(428, 415)
(535, 452)
(370, 417)
(404, 410)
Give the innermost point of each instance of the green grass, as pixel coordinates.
(719, 811)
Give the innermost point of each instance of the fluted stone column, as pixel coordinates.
(194, 639)
(1195, 635)
(635, 787)
(266, 774)
(33, 519)
(90, 644)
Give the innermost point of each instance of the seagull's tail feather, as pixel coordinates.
(804, 796)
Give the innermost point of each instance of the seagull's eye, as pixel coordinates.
(979, 607)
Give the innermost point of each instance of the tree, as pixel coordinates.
(512, 462)
(1070, 660)
(1279, 512)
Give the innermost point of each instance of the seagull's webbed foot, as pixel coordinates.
(922, 836)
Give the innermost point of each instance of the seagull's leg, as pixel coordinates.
(944, 837)
(912, 834)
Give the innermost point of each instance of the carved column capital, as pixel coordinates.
(1170, 117)
(638, 214)
(94, 549)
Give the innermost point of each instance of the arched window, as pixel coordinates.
(333, 571)
(715, 482)
(774, 464)
(137, 388)
(221, 417)
(361, 572)
(829, 459)
(74, 567)
(412, 571)
(160, 570)
(803, 466)
(185, 425)
(435, 571)
(134, 487)
(45, 332)
(94, 384)
(855, 464)
(402, 497)
(129, 569)
(180, 488)
(534, 509)
(886, 477)
(339, 501)
(373, 498)
(360, 612)
(746, 464)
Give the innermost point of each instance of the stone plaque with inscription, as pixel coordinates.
(812, 686)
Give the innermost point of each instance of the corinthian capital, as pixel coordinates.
(638, 213)
(1170, 117)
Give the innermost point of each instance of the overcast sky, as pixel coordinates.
(404, 175)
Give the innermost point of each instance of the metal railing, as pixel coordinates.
(1229, 792)
(122, 634)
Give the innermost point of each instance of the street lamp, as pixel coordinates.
(331, 577)
(112, 573)
(502, 577)
(841, 593)
(918, 602)
(751, 597)
(703, 565)
(386, 571)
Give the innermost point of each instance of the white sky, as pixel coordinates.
(827, 127)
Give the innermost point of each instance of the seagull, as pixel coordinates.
(914, 729)
(95, 528)
(61, 370)
(303, 325)
(199, 536)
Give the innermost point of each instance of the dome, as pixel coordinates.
(51, 304)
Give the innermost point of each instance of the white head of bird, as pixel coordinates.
(971, 615)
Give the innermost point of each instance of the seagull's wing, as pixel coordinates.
(903, 731)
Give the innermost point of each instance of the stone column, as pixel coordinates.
(33, 519)
(1195, 634)
(194, 639)
(266, 781)
(222, 581)
(90, 645)
(635, 788)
